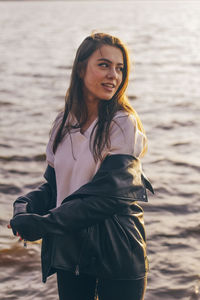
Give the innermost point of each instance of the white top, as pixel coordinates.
(73, 161)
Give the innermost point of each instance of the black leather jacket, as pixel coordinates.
(98, 229)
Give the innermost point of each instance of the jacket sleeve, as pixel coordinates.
(38, 201)
(73, 215)
(118, 183)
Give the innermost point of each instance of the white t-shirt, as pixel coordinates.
(73, 161)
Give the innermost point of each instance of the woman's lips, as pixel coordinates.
(108, 86)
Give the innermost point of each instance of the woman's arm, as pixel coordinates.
(115, 192)
(37, 201)
(40, 200)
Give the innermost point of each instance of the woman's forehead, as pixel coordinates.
(108, 52)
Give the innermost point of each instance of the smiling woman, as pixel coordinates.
(87, 212)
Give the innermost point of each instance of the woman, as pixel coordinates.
(87, 212)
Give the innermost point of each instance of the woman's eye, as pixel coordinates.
(120, 69)
(103, 65)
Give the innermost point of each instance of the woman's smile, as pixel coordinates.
(108, 86)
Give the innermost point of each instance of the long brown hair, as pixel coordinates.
(75, 104)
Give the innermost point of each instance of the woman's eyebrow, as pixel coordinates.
(109, 61)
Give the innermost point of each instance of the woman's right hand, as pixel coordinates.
(15, 233)
(31, 227)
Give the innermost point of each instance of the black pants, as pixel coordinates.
(85, 287)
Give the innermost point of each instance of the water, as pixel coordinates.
(38, 43)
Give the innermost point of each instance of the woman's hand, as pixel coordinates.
(15, 233)
(28, 226)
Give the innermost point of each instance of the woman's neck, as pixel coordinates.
(92, 108)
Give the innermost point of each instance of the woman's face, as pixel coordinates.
(103, 74)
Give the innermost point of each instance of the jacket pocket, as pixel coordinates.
(110, 253)
(135, 242)
(67, 249)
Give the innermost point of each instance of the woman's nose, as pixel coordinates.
(112, 73)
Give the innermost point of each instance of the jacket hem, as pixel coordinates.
(54, 269)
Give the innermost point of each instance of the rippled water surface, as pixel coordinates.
(37, 46)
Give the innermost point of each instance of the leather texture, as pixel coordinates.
(98, 230)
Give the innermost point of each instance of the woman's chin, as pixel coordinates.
(107, 97)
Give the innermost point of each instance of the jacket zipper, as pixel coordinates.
(77, 271)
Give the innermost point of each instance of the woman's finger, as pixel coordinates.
(17, 233)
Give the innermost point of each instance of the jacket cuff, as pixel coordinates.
(19, 208)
